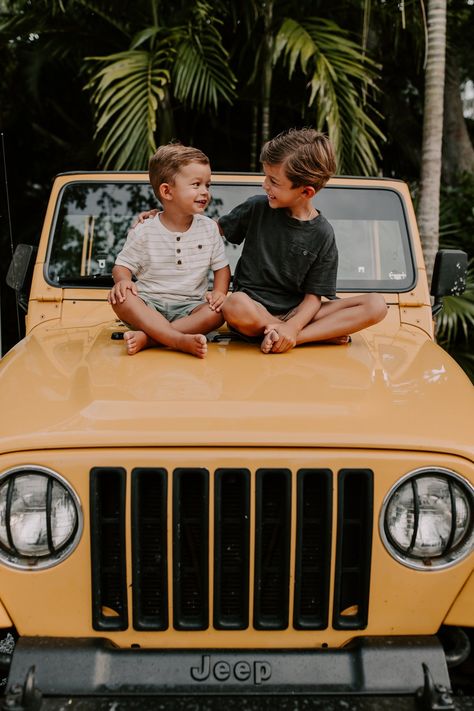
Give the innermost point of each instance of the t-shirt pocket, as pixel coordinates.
(298, 260)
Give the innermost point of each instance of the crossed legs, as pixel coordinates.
(153, 329)
(333, 322)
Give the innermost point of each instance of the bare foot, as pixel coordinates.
(136, 341)
(268, 340)
(194, 343)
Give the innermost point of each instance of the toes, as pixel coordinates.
(268, 341)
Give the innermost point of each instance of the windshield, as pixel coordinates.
(93, 218)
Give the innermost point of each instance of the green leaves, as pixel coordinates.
(201, 73)
(338, 75)
(127, 91)
(131, 90)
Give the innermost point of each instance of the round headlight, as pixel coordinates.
(40, 518)
(427, 519)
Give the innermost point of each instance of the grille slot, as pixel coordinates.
(313, 548)
(272, 548)
(149, 549)
(354, 543)
(231, 548)
(190, 549)
(107, 511)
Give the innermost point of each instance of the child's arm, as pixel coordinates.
(288, 330)
(123, 283)
(221, 287)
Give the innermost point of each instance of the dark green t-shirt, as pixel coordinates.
(282, 258)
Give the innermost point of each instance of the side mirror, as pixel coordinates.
(449, 276)
(20, 272)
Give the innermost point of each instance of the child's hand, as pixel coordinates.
(215, 299)
(287, 336)
(144, 216)
(118, 292)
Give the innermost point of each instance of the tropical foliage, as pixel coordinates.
(335, 69)
(172, 58)
(131, 88)
(455, 324)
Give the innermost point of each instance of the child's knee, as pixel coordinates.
(233, 305)
(376, 307)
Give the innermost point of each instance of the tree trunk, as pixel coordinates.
(267, 68)
(458, 152)
(428, 208)
(166, 126)
(254, 139)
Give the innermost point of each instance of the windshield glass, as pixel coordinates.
(93, 218)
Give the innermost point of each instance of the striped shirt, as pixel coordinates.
(173, 266)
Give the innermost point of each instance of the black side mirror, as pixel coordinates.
(449, 276)
(20, 272)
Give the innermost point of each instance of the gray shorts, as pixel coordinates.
(172, 310)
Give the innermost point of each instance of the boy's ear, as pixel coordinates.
(165, 191)
(308, 191)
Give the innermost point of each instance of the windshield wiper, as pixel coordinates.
(90, 280)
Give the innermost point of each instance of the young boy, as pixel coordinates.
(289, 258)
(170, 255)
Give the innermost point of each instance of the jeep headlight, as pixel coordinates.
(40, 518)
(427, 519)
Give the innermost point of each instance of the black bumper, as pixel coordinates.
(95, 667)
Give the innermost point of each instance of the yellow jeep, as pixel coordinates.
(242, 524)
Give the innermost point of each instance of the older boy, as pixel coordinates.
(170, 255)
(289, 258)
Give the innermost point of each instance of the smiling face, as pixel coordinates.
(279, 189)
(282, 194)
(189, 192)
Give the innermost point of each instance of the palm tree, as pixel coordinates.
(184, 60)
(428, 208)
(319, 70)
(336, 71)
(147, 64)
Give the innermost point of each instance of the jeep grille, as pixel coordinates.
(227, 547)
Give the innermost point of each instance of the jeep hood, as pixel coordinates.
(77, 387)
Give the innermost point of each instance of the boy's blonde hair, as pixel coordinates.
(168, 160)
(307, 156)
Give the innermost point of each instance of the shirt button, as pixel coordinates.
(177, 239)
(178, 251)
(179, 261)
(305, 253)
(199, 246)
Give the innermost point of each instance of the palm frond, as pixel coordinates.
(126, 92)
(336, 69)
(202, 75)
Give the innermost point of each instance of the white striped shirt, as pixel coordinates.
(173, 266)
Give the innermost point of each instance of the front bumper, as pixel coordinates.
(96, 668)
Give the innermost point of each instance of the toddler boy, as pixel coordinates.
(170, 255)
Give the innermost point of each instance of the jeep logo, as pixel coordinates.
(256, 672)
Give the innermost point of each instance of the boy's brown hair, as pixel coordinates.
(168, 160)
(307, 156)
